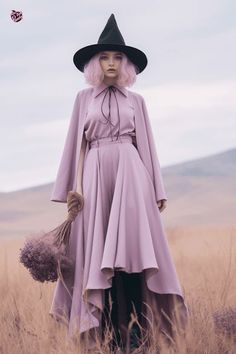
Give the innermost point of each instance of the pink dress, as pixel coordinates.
(118, 192)
(122, 224)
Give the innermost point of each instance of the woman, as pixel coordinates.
(122, 261)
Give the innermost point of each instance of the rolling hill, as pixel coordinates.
(200, 192)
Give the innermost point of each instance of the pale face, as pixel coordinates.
(110, 60)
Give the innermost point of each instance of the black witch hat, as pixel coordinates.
(110, 39)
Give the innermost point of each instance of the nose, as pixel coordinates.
(111, 61)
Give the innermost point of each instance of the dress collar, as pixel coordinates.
(102, 86)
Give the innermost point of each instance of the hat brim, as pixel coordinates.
(83, 55)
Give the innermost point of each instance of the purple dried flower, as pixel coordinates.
(46, 256)
(225, 320)
(42, 257)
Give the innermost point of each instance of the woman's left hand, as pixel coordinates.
(162, 204)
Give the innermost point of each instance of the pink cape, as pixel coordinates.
(67, 172)
(81, 307)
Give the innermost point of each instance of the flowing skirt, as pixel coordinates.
(118, 230)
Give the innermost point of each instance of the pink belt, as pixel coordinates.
(108, 140)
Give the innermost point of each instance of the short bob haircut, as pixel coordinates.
(94, 75)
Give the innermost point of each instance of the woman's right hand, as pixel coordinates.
(75, 203)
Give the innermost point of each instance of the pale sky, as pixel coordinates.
(189, 84)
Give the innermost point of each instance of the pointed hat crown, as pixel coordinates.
(110, 39)
(111, 33)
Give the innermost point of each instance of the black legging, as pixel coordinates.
(126, 288)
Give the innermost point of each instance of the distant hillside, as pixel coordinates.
(222, 164)
(200, 192)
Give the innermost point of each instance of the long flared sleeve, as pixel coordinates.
(65, 178)
(147, 148)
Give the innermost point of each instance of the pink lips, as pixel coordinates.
(111, 70)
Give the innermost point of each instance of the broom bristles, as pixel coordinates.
(62, 234)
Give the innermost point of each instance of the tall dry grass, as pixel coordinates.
(206, 263)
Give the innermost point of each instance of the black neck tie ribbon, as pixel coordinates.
(109, 90)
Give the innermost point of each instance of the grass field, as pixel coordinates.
(205, 259)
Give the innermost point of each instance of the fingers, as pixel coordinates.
(75, 203)
(72, 214)
(161, 204)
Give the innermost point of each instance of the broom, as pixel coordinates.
(46, 255)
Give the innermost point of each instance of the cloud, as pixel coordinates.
(191, 120)
(188, 85)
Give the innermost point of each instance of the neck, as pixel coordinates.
(109, 81)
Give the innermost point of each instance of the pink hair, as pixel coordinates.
(94, 75)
